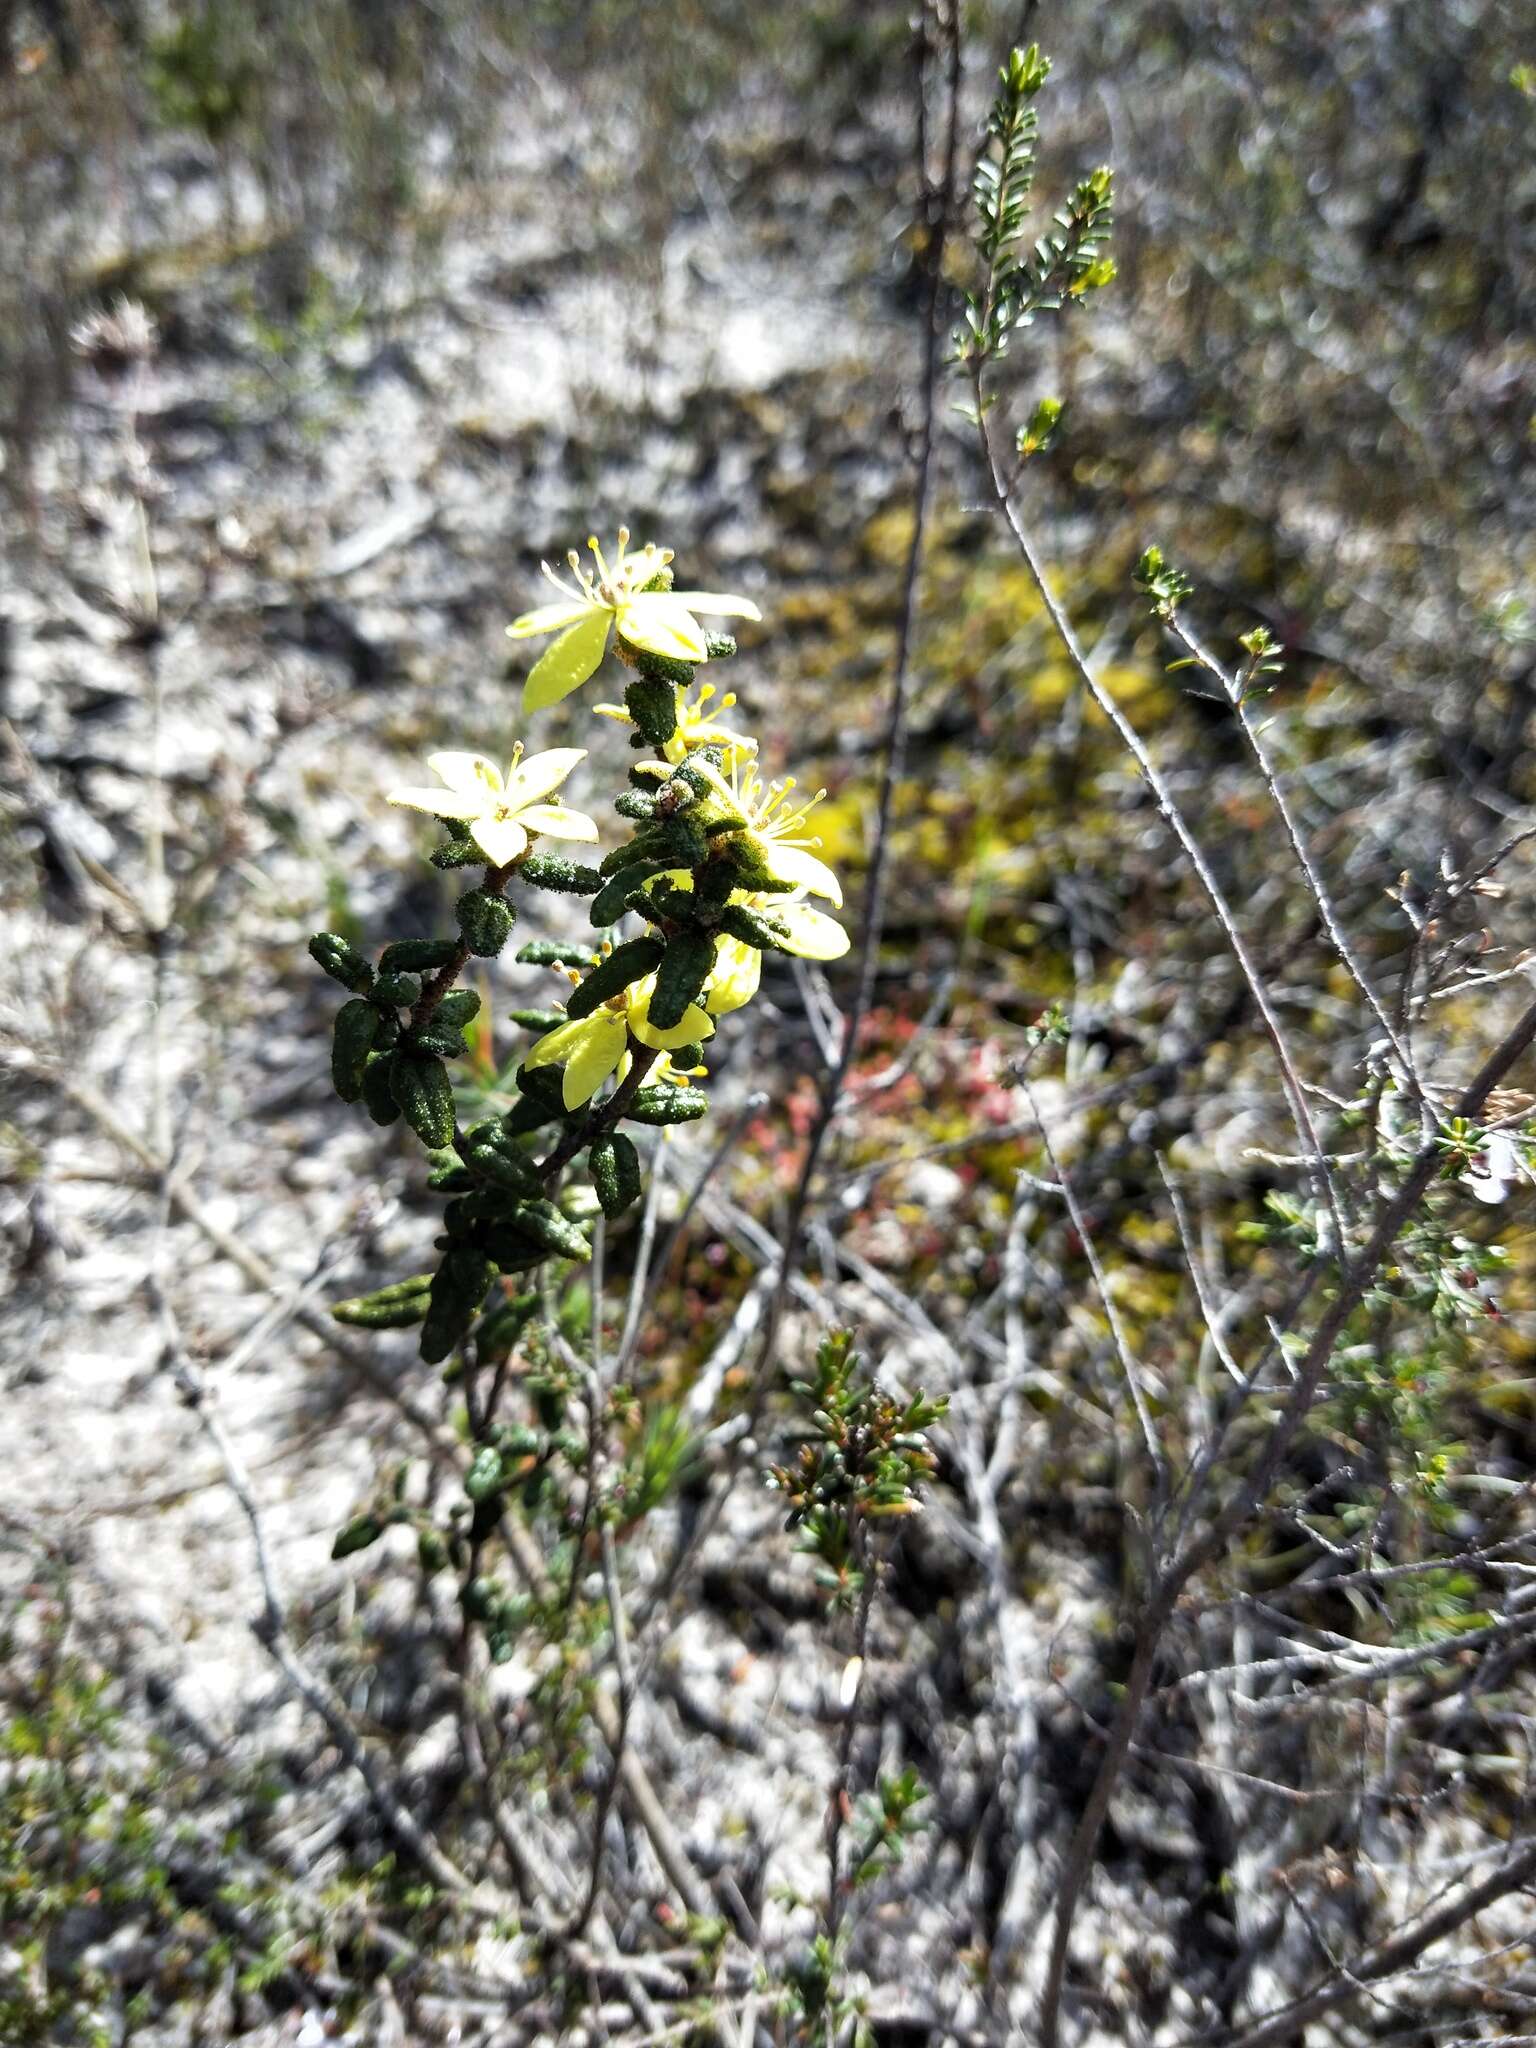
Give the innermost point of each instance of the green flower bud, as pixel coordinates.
(416, 956)
(666, 1105)
(424, 1094)
(431, 1551)
(686, 966)
(486, 920)
(352, 1037)
(719, 646)
(615, 1168)
(458, 1288)
(341, 962)
(625, 964)
(635, 803)
(554, 871)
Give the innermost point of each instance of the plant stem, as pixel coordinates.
(494, 884)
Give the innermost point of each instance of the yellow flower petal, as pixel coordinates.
(694, 1025)
(556, 1046)
(738, 970)
(558, 821)
(799, 867)
(538, 775)
(569, 662)
(589, 1048)
(468, 775)
(812, 934)
(549, 618)
(657, 622)
(441, 803)
(595, 1058)
(499, 839)
(716, 605)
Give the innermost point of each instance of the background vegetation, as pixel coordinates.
(427, 293)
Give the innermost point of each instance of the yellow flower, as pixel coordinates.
(502, 812)
(767, 816)
(660, 621)
(809, 934)
(697, 726)
(592, 1048)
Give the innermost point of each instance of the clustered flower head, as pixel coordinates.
(719, 865)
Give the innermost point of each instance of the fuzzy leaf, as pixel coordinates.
(424, 1094)
(625, 964)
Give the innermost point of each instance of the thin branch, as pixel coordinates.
(1128, 1363)
(1168, 804)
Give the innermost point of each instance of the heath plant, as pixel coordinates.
(1360, 1280)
